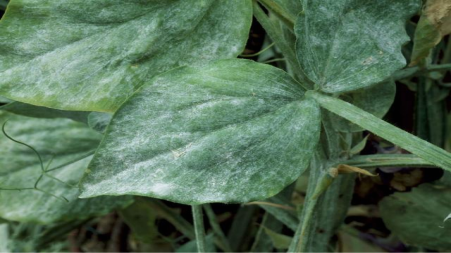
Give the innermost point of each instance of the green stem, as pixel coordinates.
(388, 160)
(278, 38)
(199, 227)
(403, 139)
(299, 243)
(409, 72)
(258, 53)
(280, 12)
(216, 228)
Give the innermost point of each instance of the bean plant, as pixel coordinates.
(118, 105)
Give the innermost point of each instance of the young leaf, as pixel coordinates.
(417, 217)
(92, 55)
(140, 217)
(228, 131)
(344, 45)
(44, 112)
(67, 142)
(280, 241)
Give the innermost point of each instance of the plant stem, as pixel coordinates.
(409, 142)
(278, 39)
(388, 160)
(216, 228)
(199, 227)
(299, 240)
(409, 72)
(279, 11)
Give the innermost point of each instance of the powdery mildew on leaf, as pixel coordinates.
(229, 131)
(344, 45)
(92, 54)
(62, 139)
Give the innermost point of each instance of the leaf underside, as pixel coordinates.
(91, 55)
(63, 140)
(229, 131)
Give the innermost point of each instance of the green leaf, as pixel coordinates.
(44, 112)
(285, 215)
(140, 217)
(344, 45)
(67, 142)
(92, 55)
(262, 242)
(279, 241)
(228, 131)
(359, 146)
(417, 216)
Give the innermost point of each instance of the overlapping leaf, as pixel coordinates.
(344, 45)
(417, 217)
(434, 24)
(92, 54)
(229, 131)
(67, 142)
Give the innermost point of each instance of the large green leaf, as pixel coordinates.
(344, 45)
(229, 131)
(92, 54)
(417, 217)
(68, 142)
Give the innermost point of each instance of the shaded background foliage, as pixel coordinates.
(380, 217)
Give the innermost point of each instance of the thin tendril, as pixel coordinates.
(53, 195)
(43, 170)
(26, 145)
(61, 181)
(274, 60)
(73, 161)
(37, 181)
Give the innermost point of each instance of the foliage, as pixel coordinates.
(110, 106)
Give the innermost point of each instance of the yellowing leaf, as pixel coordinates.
(435, 22)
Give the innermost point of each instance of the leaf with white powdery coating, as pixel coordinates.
(67, 142)
(91, 55)
(228, 131)
(344, 45)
